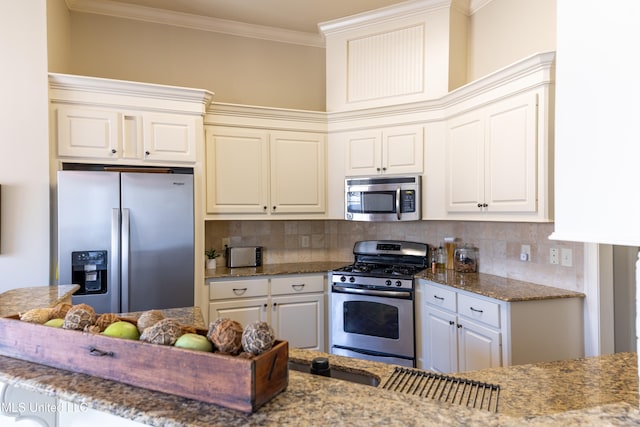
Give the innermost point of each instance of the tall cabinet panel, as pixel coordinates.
(298, 172)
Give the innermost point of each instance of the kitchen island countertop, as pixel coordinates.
(588, 391)
(18, 300)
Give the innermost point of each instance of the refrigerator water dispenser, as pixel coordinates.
(89, 271)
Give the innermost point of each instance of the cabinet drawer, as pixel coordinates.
(297, 284)
(440, 297)
(238, 288)
(479, 309)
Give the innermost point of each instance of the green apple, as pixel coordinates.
(56, 323)
(122, 329)
(194, 342)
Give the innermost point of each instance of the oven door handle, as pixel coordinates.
(372, 292)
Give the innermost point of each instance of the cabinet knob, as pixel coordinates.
(479, 205)
(146, 153)
(378, 169)
(484, 205)
(384, 169)
(274, 208)
(265, 305)
(275, 304)
(114, 151)
(459, 326)
(264, 208)
(451, 322)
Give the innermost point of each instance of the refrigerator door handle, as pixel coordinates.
(114, 271)
(124, 289)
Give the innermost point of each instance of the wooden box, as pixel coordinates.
(232, 382)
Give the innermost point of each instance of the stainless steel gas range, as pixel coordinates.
(372, 302)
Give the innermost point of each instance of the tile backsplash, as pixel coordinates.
(332, 240)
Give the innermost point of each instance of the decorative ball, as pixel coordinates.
(165, 332)
(60, 310)
(258, 337)
(79, 316)
(149, 318)
(226, 336)
(104, 320)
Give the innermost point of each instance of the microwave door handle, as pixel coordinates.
(398, 203)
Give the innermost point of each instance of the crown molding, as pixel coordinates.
(476, 5)
(390, 13)
(203, 23)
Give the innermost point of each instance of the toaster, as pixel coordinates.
(244, 256)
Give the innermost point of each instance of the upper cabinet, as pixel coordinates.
(121, 122)
(406, 53)
(394, 150)
(276, 171)
(491, 158)
(484, 150)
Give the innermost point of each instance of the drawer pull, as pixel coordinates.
(298, 288)
(476, 310)
(451, 322)
(239, 291)
(438, 298)
(99, 353)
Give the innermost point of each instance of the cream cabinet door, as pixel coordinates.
(85, 132)
(242, 310)
(440, 342)
(510, 182)
(364, 153)
(402, 150)
(237, 172)
(478, 347)
(299, 319)
(170, 137)
(465, 164)
(298, 172)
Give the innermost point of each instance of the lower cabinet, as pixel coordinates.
(460, 331)
(294, 306)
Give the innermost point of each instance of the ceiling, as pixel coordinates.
(292, 21)
(297, 15)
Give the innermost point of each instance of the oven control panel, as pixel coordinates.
(372, 282)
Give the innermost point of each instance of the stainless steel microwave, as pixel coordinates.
(377, 198)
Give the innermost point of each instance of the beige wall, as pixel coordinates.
(498, 244)
(238, 70)
(24, 145)
(58, 36)
(504, 31)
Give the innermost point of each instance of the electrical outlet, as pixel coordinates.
(566, 257)
(554, 256)
(525, 253)
(304, 241)
(226, 242)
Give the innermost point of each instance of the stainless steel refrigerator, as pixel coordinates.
(127, 239)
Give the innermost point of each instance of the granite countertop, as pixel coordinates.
(275, 269)
(497, 287)
(488, 285)
(592, 391)
(588, 391)
(22, 299)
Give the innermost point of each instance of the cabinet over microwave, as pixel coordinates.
(389, 198)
